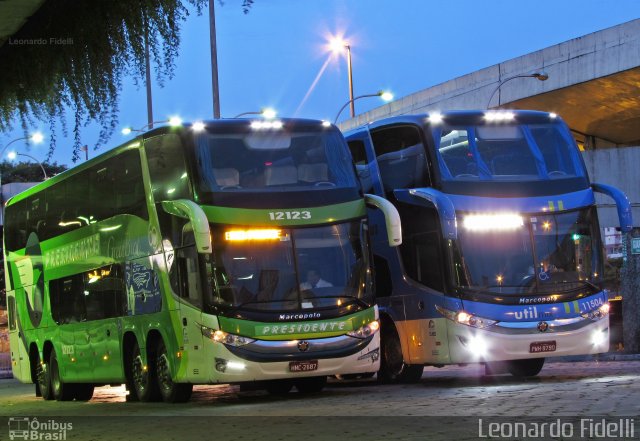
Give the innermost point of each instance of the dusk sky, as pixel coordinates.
(275, 56)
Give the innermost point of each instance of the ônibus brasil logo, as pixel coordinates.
(31, 429)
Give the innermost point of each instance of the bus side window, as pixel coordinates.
(11, 309)
(167, 168)
(67, 299)
(359, 155)
(185, 275)
(104, 292)
(401, 157)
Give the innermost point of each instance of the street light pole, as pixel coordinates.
(385, 96)
(542, 76)
(214, 60)
(350, 71)
(44, 172)
(37, 138)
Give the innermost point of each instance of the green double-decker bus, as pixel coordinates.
(229, 252)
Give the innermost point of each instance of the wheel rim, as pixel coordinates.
(139, 374)
(164, 373)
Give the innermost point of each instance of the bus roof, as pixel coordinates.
(212, 125)
(460, 117)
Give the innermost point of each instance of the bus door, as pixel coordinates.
(187, 282)
(19, 354)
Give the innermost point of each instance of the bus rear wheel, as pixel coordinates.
(311, 385)
(61, 391)
(393, 369)
(43, 378)
(143, 376)
(525, 368)
(171, 392)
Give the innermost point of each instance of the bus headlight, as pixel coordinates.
(225, 338)
(599, 337)
(366, 330)
(598, 313)
(464, 318)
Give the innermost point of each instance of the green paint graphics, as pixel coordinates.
(298, 329)
(289, 216)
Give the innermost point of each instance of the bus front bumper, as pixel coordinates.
(525, 340)
(294, 359)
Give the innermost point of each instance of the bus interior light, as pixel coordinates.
(255, 234)
(493, 222)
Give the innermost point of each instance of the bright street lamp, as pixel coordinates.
(542, 76)
(337, 44)
(386, 96)
(36, 137)
(267, 113)
(12, 156)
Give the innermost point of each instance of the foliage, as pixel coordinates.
(28, 171)
(73, 55)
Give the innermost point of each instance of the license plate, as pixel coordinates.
(303, 366)
(542, 346)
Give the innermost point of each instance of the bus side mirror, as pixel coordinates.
(199, 221)
(391, 218)
(622, 203)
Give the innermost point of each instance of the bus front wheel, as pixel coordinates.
(525, 368)
(171, 392)
(393, 369)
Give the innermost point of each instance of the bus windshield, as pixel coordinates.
(547, 253)
(288, 159)
(507, 152)
(290, 269)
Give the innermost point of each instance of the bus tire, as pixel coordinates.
(145, 383)
(278, 387)
(311, 385)
(61, 391)
(393, 369)
(84, 391)
(43, 378)
(171, 392)
(525, 368)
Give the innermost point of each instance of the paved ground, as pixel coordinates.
(451, 402)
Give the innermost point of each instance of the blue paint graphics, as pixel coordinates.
(143, 289)
(535, 312)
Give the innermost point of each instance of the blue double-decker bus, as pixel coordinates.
(501, 261)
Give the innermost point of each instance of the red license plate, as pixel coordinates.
(303, 366)
(542, 346)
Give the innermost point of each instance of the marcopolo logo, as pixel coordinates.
(32, 429)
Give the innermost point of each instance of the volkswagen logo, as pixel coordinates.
(303, 346)
(543, 326)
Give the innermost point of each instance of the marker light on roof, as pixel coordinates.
(262, 125)
(499, 116)
(198, 126)
(493, 222)
(435, 118)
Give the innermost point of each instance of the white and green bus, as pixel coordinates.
(229, 252)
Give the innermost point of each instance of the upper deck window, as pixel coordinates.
(507, 152)
(274, 160)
